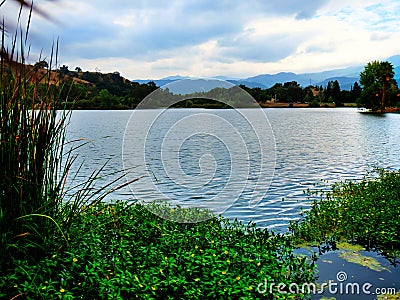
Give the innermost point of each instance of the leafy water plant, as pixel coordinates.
(124, 251)
(362, 260)
(365, 212)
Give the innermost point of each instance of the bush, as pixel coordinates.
(314, 103)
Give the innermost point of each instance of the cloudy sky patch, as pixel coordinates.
(155, 39)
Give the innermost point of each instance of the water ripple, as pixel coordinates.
(311, 144)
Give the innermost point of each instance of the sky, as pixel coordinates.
(155, 39)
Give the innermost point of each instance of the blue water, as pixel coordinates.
(221, 159)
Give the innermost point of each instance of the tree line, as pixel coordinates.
(292, 92)
(94, 90)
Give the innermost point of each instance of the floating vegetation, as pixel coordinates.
(362, 260)
(327, 261)
(178, 213)
(351, 253)
(349, 247)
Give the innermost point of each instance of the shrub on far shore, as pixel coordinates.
(314, 103)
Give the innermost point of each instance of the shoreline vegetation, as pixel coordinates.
(85, 90)
(110, 91)
(95, 90)
(53, 247)
(120, 250)
(365, 212)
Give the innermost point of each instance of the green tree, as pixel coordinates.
(332, 92)
(42, 64)
(105, 100)
(328, 90)
(336, 91)
(293, 91)
(376, 78)
(309, 95)
(355, 91)
(64, 70)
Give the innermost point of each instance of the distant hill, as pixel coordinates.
(345, 76)
(395, 60)
(269, 80)
(189, 86)
(168, 80)
(345, 83)
(249, 84)
(158, 82)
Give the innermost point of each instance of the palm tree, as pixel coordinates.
(384, 74)
(376, 78)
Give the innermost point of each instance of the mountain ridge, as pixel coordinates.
(345, 76)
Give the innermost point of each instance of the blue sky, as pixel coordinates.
(205, 38)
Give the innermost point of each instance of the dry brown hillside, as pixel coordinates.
(43, 75)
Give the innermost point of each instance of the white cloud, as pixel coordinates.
(155, 39)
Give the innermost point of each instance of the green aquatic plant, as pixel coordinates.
(389, 297)
(178, 213)
(121, 250)
(349, 247)
(365, 212)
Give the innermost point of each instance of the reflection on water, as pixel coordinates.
(370, 274)
(311, 144)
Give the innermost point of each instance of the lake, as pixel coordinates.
(228, 158)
